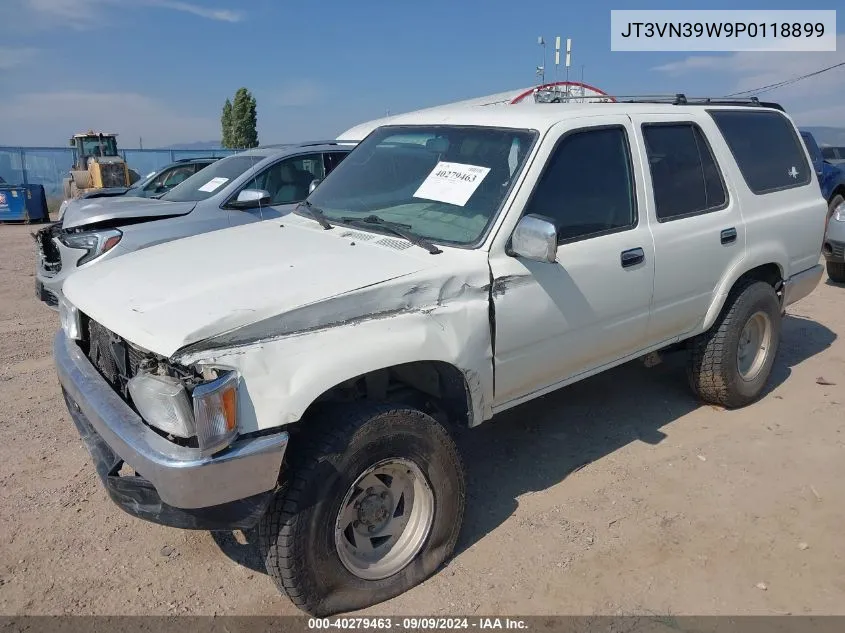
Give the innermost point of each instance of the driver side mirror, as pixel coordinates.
(251, 199)
(314, 184)
(535, 237)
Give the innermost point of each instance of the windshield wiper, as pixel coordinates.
(315, 213)
(397, 228)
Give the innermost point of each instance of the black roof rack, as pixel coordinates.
(676, 99)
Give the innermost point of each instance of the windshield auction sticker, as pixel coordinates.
(214, 183)
(452, 183)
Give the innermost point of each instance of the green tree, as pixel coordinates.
(226, 125)
(240, 121)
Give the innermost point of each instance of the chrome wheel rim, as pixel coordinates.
(384, 519)
(754, 342)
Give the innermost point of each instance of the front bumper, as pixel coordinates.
(46, 294)
(833, 247)
(174, 485)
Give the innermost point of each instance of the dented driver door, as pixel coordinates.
(556, 321)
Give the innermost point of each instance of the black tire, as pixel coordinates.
(296, 535)
(836, 272)
(835, 201)
(713, 368)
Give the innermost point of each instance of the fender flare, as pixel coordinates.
(764, 254)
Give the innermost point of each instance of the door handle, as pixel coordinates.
(632, 257)
(728, 235)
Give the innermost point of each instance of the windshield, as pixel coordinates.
(91, 146)
(212, 179)
(445, 183)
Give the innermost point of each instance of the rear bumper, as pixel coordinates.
(800, 285)
(174, 485)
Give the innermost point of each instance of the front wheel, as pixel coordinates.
(730, 364)
(372, 506)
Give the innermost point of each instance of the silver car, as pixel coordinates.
(246, 187)
(833, 248)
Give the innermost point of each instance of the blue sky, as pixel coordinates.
(161, 69)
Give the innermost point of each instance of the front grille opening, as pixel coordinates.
(47, 249)
(118, 362)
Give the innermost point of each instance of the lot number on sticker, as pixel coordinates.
(452, 183)
(214, 183)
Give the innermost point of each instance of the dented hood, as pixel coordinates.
(84, 211)
(176, 294)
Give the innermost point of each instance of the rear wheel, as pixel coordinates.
(730, 364)
(836, 272)
(372, 506)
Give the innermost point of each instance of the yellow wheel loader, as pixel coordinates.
(98, 165)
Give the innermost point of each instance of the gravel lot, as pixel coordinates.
(617, 495)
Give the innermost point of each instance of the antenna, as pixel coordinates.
(541, 70)
(568, 52)
(557, 55)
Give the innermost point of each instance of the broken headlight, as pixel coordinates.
(70, 319)
(94, 243)
(209, 413)
(163, 402)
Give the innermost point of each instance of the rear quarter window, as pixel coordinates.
(766, 148)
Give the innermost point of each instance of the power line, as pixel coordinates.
(786, 82)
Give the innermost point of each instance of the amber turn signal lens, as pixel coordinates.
(229, 408)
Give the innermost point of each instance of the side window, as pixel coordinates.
(178, 175)
(169, 178)
(333, 160)
(765, 147)
(684, 174)
(587, 185)
(287, 181)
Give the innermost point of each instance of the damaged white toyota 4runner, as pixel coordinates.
(303, 374)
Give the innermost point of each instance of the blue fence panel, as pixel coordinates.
(49, 166)
(145, 161)
(11, 165)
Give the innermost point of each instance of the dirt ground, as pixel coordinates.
(617, 495)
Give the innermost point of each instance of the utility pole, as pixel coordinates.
(583, 90)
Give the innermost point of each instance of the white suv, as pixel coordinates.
(305, 374)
